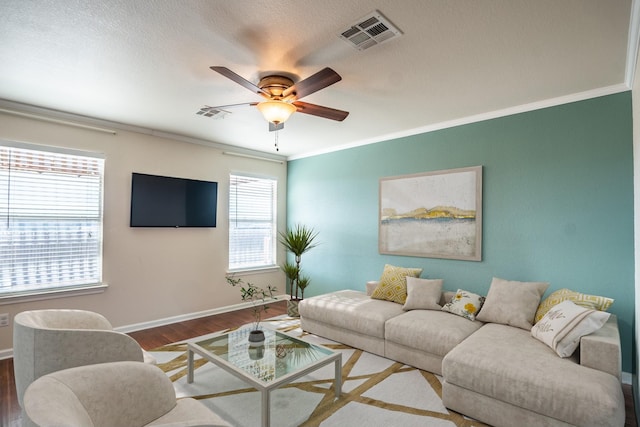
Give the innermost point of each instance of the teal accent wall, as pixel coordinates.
(558, 203)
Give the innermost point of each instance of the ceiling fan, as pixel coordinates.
(282, 96)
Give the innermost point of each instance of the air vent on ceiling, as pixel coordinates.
(370, 30)
(212, 112)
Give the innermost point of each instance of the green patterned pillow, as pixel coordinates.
(393, 283)
(465, 304)
(593, 302)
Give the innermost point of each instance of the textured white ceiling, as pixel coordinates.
(146, 63)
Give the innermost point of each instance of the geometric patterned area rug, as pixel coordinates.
(375, 391)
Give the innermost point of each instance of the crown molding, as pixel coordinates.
(109, 127)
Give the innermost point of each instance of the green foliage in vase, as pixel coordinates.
(303, 282)
(255, 294)
(297, 240)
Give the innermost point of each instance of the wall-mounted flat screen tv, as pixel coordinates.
(162, 201)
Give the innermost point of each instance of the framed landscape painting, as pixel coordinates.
(432, 214)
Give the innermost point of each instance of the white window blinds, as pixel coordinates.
(50, 220)
(252, 222)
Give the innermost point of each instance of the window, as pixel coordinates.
(252, 222)
(50, 220)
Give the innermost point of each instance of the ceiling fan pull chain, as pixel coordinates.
(276, 139)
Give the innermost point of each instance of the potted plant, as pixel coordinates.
(297, 240)
(258, 297)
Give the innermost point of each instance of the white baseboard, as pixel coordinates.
(190, 316)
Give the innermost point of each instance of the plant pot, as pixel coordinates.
(292, 308)
(256, 352)
(256, 337)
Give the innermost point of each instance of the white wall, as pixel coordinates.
(152, 273)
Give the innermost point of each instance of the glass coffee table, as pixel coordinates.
(278, 360)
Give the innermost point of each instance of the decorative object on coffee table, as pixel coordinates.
(297, 240)
(258, 297)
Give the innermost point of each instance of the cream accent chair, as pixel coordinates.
(122, 394)
(46, 341)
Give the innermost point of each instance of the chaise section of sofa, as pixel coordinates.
(503, 376)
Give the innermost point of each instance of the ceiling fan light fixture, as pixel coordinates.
(275, 111)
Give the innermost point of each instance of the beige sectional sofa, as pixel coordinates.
(495, 373)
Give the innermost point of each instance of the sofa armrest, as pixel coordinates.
(601, 349)
(371, 286)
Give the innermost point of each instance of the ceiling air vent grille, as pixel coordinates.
(370, 30)
(212, 112)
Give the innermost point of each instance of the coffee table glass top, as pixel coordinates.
(280, 354)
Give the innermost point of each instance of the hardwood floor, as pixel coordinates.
(156, 337)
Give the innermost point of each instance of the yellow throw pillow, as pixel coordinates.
(393, 283)
(593, 302)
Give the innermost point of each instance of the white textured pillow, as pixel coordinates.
(512, 303)
(565, 323)
(423, 294)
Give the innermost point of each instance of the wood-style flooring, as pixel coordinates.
(156, 337)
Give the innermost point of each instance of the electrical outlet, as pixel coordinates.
(4, 319)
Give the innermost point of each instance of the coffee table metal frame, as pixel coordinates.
(265, 387)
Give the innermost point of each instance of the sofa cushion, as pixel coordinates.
(393, 283)
(423, 294)
(465, 304)
(594, 302)
(350, 310)
(563, 326)
(508, 364)
(435, 332)
(512, 303)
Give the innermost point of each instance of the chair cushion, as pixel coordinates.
(189, 412)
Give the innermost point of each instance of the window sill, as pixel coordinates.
(258, 270)
(44, 294)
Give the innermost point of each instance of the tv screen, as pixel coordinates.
(162, 201)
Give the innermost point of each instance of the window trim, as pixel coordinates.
(52, 293)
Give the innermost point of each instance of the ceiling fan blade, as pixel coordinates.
(274, 127)
(222, 107)
(241, 81)
(320, 80)
(320, 111)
